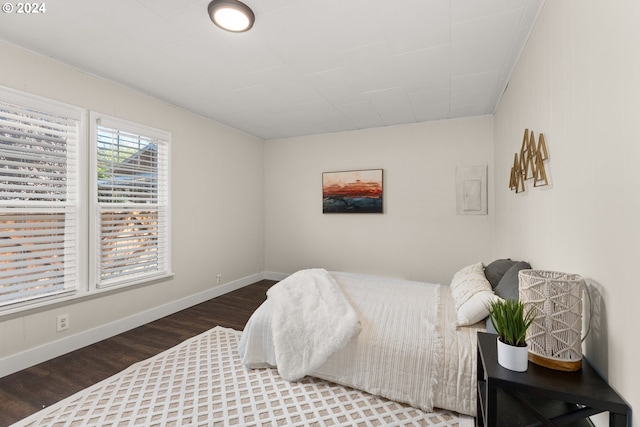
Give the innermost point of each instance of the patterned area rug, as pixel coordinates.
(201, 382)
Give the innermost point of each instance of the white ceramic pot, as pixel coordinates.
(512, 357)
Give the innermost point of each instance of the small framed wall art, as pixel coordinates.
(356, 191)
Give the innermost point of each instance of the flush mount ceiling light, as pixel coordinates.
(231, 15)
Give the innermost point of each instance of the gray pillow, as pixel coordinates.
(508, 286)
(494, 271)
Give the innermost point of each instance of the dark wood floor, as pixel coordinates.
(28, 391)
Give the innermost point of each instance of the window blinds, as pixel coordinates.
(132, 202)
(38, 197)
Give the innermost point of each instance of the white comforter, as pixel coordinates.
(409, 348)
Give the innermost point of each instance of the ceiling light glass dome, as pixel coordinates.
(231, 15)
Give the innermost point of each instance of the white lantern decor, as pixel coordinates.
(555, 336)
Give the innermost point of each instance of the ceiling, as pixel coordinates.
(306, 67)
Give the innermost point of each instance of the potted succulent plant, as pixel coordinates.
(511, 319)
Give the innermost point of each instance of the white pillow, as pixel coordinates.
(471, 293)
(475, 309)
(467, 282)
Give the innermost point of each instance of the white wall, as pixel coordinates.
(217, 209)
(419, 236)
(578, 83)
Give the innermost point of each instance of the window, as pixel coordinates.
(56, 198)
(39, 197)
(130, 189)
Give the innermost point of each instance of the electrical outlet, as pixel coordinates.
(62, 322)
(219, 278)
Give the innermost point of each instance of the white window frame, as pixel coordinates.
(163, 140)
(85, 209)
(74, 204)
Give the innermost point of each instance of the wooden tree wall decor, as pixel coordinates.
(529, 163)
(540, 174)
(517, 182)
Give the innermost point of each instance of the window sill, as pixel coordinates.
(50, 302)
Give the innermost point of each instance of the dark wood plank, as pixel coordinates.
(30, 390)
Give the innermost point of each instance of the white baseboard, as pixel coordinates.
(272, 275)
(33, 356)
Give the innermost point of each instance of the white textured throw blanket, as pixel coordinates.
(312, 319)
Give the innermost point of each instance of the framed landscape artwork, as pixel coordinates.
(358, 191)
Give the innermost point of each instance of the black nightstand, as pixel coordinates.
(541, 396)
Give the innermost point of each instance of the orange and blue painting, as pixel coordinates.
(358, 191)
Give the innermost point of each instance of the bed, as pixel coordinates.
(409, 341)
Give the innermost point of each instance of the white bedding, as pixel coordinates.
(311, 320)
(409, 348)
